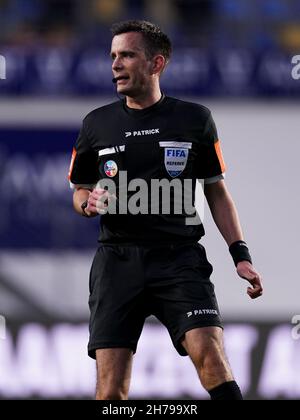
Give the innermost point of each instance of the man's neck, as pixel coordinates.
(144, 101)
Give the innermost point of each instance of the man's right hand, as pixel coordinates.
(98, 202)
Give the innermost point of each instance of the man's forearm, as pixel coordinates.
(225, 215)
(227, 219)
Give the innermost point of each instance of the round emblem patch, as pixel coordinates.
(111, 168)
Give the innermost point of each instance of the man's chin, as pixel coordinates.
(124, 91)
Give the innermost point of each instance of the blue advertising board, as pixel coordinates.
(36, 199)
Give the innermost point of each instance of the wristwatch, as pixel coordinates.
(83, 207)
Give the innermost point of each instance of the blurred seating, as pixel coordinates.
(254, 23)
(61, 45)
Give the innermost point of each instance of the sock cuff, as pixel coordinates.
(226, 391)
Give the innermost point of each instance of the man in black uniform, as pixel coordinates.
(150, 261)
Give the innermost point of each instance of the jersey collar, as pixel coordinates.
(145, 111)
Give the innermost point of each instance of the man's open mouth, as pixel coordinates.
(121, 78)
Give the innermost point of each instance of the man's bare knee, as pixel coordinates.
(201, 342)
(113, 373)
(205, 347)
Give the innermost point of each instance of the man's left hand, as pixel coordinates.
(247, 272)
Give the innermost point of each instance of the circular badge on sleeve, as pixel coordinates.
(111, 168)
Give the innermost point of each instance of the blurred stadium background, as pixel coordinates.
(235, 56)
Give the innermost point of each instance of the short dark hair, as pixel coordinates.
(156, 42)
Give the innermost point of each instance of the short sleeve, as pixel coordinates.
(210, 163)
(83, 168)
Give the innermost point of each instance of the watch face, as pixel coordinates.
(84, 205)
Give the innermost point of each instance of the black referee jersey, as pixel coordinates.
(171, 139)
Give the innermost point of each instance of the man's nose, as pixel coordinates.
(117, 64)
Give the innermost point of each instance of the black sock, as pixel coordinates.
(226, 391)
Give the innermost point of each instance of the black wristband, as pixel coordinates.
(240, 252)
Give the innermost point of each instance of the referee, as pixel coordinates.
(151, 262)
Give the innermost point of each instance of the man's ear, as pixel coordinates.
(158, 64)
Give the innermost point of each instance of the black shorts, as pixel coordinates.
(129, 283)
